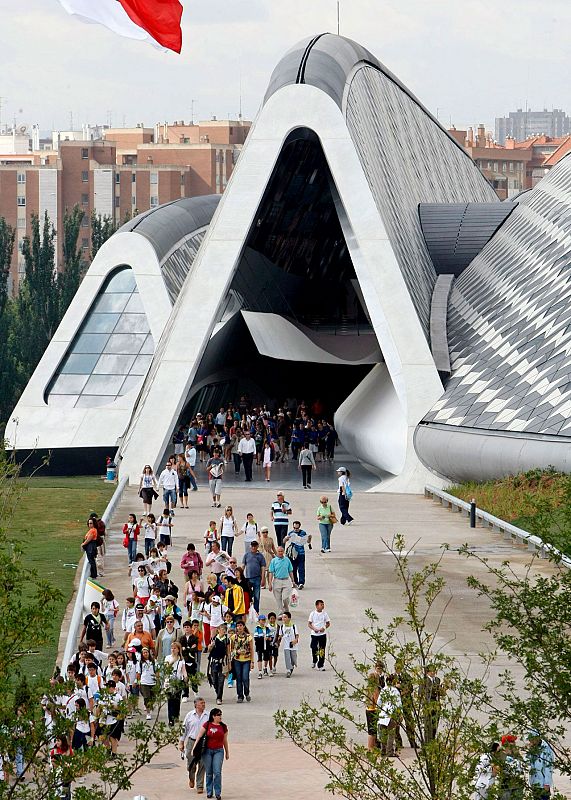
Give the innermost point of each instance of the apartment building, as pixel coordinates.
(125, 172)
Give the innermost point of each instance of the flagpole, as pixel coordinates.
(338, 26)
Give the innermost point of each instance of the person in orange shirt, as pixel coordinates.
(145, 639)
(89, 545)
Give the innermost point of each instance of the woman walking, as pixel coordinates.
(215, 733)
(306, 464)
(131, 535)
(148, 488)
(228, 530)
(345, 495)
(218, 660)
(110, 608)
(175, 681)
(183, 472)
(325, 518)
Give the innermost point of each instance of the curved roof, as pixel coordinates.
(327, 61)
(166, 225)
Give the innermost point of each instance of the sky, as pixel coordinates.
(467, 62)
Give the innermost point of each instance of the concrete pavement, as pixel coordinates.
(357, 574)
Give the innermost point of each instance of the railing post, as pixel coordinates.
(473, 513)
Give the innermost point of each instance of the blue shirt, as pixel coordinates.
(540, 759)
(281, 567)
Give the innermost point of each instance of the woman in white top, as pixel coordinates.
(228, 530)
(147, 679)
(267, 462)
(148, 488)
(174, 681)
(250, 531)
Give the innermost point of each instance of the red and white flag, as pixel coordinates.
(156, 21)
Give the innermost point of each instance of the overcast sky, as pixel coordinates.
(468, 62)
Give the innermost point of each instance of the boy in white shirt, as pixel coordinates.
(318, 623)
(289, 637)
(250, 531)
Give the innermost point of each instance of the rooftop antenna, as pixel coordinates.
(338, 25)
(240, 107)
(71, 120)
(192, 112)
(1, 101)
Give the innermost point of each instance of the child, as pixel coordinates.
(262, 645)
(210, 535)
(318, 623)
(149, 525)
(164, 528)
(230, 628)
(289, 636)
(272, 639)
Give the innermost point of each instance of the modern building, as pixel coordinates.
(115, 172)
(520, 124)
(345, 253)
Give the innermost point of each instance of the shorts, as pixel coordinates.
(372, 717)
(146, 691)
(114, 731)
(215, 486)
(263, 649)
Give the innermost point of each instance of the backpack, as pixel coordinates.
(348, 491)
(100, 527)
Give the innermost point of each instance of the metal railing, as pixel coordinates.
(509, 532)
(78, 610)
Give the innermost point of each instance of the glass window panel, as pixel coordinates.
(123, 281)
(90, 343)
(141, 365)
(62, 400)
(101, 323)
(94, 400)
(112, 302)
(79, 364)
(135, 306)
(149, 347)
(131, 383)
(125, 343)
(132, 323)
(113, 365)
(103, 384)
(69, 384)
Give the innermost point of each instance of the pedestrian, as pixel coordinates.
(431, 693)
(267, 544)
(511, 770)
(191, 561)
(215, 734)
(296, 541)
(250, 531)
(191, 726)
(93, 626)
(175, 679)
(59, 754)
(89, 546)
(247, 450)
(148, 488)
(268, 458)
(404, 684)
(110, 608)
(218, 560)
(215, 469)
(210, 535)
(280, 579)
(307, 464)
(263, 639)
(218, 659)
(389, 704)
(164, 527)
(326, 518)
(318, 623)
(280, 510)
(168, 479)
(149, 527)
(345, 494)
(540, 758)
(183, 474)
(228, 530)
(234, 599)
(289, 637)
(130, 536)
(242, 655)
(147, 677)
(190, 457)
(255, 570)
(235, 439)
(485, 773)
(166, 637)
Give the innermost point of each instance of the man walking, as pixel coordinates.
(255, 567)
(168, 479)
(215, 469)
(191, 727)
(280, 511)
(280, 579)
(298, 538)
(247, 449)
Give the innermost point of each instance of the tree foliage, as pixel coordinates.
(70, 276)
(7, 361)
(102, 227)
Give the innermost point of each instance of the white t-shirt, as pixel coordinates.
(288, 634)
(217, 611)
(318, 619)
(143, 586)
(250, 530)
(388, 702)
(147, 670)
(150, 530)
(131, 624)
(190, 455)
(227, 526)
(342, 481)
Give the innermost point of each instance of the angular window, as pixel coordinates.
(112, 351)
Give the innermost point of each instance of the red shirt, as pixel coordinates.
(215, 735)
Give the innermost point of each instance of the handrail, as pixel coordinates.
(78, 610)
(509, 531)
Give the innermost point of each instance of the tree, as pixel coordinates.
(447, 732)
(102, 227)
(25, 739)
(7, 362)
(7, 237)
(531, 626)
(70, 276)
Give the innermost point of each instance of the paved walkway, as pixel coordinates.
(358, 574)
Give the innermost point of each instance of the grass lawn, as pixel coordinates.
(51, 521)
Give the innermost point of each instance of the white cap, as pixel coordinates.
(341, 469)
(135, 643)
(215, 599)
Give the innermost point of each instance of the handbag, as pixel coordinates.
(126, 540)
(198, 748)
(333, 518)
